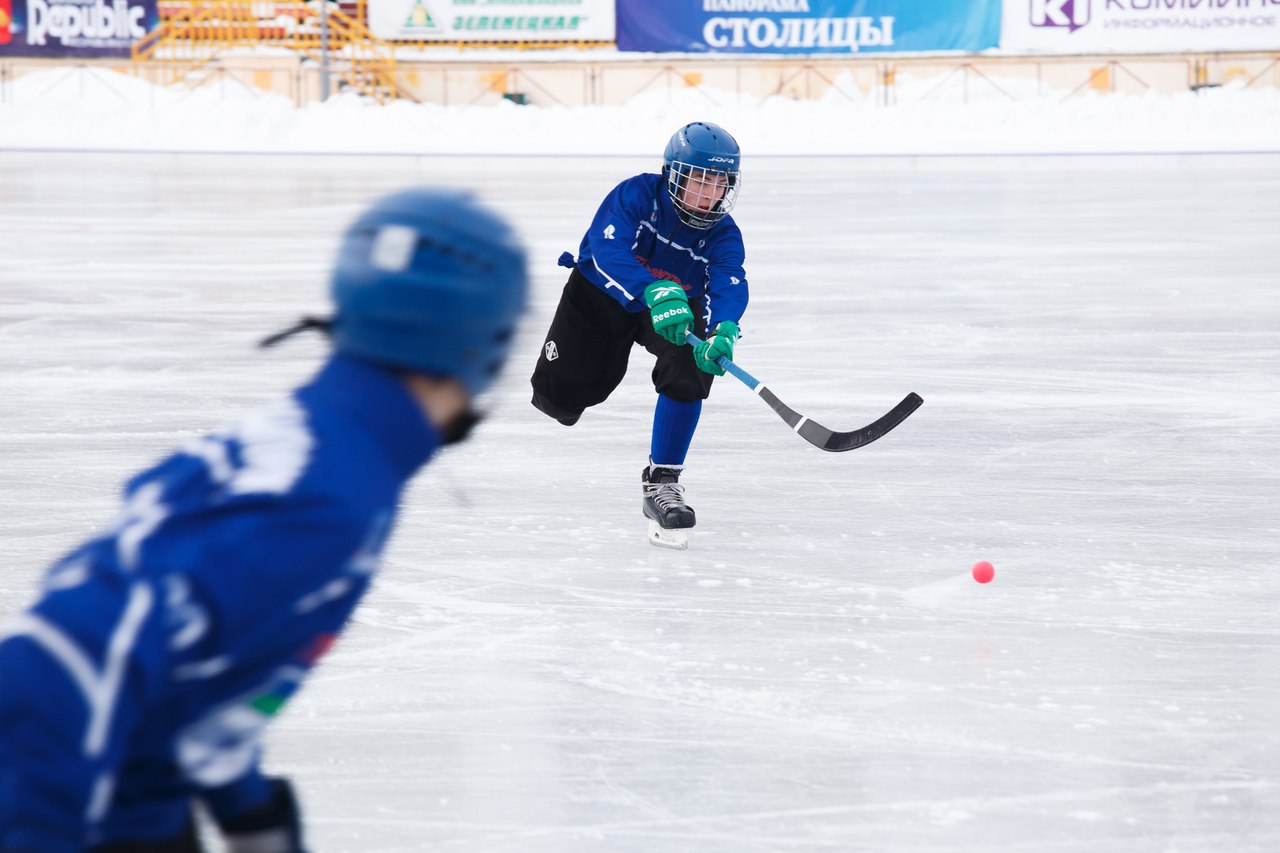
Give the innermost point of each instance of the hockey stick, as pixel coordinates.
(812, 431)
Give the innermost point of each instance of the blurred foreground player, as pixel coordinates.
(141, 680)
(662, 257)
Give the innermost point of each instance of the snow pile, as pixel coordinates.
(81, 108)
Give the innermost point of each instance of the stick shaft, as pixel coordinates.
(810, 430)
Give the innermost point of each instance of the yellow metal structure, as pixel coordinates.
(192, 33)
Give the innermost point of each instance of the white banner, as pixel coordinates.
(1139, 26)
(492, 20)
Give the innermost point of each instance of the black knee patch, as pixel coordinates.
(550, 409)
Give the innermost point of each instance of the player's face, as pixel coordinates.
(704, 190)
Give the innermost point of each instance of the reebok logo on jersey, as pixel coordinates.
(552, 352)
(608, 232)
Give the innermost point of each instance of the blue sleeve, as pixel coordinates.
(233, 638)
(272, 590)
(263, 590)
(612, 240)
(74, 672)
(727, 292)
(158, 652)
(258, 576)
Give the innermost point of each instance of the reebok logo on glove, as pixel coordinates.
(670, 323)
(658, 294)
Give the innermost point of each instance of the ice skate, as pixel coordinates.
(670, 518)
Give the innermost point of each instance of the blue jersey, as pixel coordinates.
(637, 237)
(157, 652)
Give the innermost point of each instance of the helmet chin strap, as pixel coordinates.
(459, 428)
(306, 324)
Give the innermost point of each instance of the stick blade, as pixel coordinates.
(838, 442)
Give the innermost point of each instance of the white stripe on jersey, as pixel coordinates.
(100, 689)
(609, 279)
(645, 223)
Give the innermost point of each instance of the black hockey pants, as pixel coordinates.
(585, 354)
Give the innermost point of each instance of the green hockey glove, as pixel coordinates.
(669, 309)
(718, 343)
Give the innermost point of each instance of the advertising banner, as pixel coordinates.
(1139, 26)
(807, 26)
(492, 20)
(55, 28)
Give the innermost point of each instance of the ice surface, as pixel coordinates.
(1096, 340)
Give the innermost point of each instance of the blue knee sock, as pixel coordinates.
(673, 426)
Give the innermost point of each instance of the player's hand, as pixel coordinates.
(718, 343)
(669, 309)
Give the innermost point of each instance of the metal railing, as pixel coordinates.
(574, 82)
(193, 34)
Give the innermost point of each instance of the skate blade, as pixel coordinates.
(664, 538)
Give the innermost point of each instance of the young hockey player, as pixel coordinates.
(662, 257)
(141, 680)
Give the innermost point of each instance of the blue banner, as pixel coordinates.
(55, 28)
(807, 26)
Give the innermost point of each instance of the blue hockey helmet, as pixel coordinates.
(431, 281)
(702, 167)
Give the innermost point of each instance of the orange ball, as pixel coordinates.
(983, 571)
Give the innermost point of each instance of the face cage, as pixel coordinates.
(678, 175)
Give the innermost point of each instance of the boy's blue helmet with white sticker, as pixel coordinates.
(702, 154)
(431, 281)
